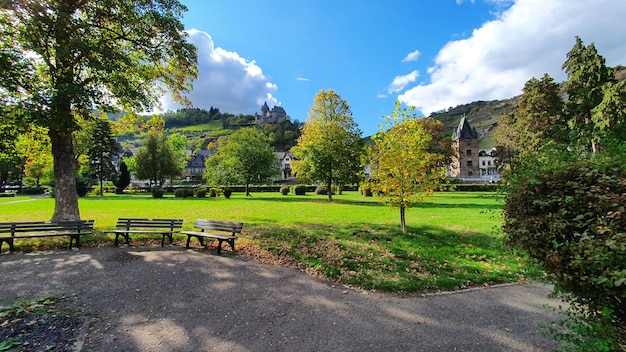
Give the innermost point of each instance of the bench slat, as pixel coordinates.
(206, 225)
(9, 231)
(126, 226)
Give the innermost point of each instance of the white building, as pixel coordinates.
(487, 165)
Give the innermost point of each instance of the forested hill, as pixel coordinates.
(484, 115)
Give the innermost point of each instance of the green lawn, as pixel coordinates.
(451, 241)
(209, 126)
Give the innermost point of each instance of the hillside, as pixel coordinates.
(482, 115)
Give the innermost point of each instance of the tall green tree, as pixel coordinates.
(93, 55)
(122, 179)
(330, 147)
(587, 74)
(405, 164)
(156, 161)
(609, 117)
(537, 118)
(178, 145)
(34, 150)
(564, 202)
(246, 158)
(101, 151)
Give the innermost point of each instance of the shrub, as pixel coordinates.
(321, 190)
(227, 192)
(33, 190)
(82, 186)
(284, 190)
(201, 192)
(214, 192)
(157, 192)
(299, 190)
(570, 215)
(180, 193)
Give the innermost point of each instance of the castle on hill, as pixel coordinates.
(276, 115)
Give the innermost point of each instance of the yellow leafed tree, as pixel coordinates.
(408, 159)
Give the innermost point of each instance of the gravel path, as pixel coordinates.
(174, 299)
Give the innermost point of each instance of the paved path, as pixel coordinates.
(174, 299)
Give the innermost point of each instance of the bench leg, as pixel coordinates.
(75, 239)
(169, 236)
(126, 237)
(231, 242)
(200, 239)
(9, 241)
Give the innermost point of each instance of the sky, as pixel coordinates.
(431, 54)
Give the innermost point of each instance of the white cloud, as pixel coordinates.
(412, 56)
(302, 79)
(400, 82)
(225, 80)
(529, 39)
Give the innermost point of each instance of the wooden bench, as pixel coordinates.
(206, 225)
(164, 227)
(10, 231)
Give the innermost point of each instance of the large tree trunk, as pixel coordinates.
(66, 198)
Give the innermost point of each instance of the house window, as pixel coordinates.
(489, 162)
(469, 152)
(470, 174)
(483, 163)
(469, 163)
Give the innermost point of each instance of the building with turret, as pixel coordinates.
(465, 163)
(276, 115)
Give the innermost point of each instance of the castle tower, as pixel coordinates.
(465, 143)
(265, 110)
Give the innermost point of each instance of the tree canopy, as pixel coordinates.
(407, 159)
(565, 195)
(330, 147)
(245, 158)
(70, 58)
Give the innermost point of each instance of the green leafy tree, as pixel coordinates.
(587, 75)
(246, 158)
(122, 180)
(564, 202)
(609, 117)
(92, 55)
(178, 145)
(10, 162)
(102, 149)
(34, 149)
(537, 118)
(155, 161)
(405, 164)
(330, 147)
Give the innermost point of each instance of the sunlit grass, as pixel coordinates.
(451, 241)
(209, 126)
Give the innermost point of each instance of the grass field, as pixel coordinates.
(451, 242)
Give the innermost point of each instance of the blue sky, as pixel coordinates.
(432, 54)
